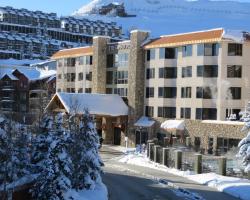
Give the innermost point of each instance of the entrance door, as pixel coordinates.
(117, 136)
(141, 137)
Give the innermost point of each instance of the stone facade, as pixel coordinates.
(100, 64)
(136, 77)
(214, 130)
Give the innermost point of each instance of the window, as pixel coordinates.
(149, 92)
(70, 62)
(234, 49)
(59, 76)
(206, 113)
(207, 71)
(87, 90)
(187, 71)
(109, 79)
(187, 51)
(85, 60)
(110, 60)
(167, 92)
(235, 112)
(204, 93)
(186, 92)
(121, 60)
(234, 93)
(121, 77)
(72, 77)
(167, 53)
(234, 71)
(89, 76)
(80, 90)
(208, 49)
(167, 112)
(168, 72)
(81, 60)
(59, 90)
(121, 91)
(109, 90)
(80, 76)
(186, 113)
(149, 111)
(150, 54)
(150, 73)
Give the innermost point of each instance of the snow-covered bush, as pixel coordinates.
(244, 144)
(87, 163)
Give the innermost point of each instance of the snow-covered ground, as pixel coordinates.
(234, 186)
(175, 16)
(99, 193)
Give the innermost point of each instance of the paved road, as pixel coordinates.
(129, 182)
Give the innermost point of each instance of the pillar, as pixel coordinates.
(165, 156)
(100, 48)
(198, 164)
(223, 166)
(178, 159)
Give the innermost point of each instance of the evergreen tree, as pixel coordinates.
(87, 163)
(244, 144)
(5, 154)
(14, 152)
(55, 164)
(21, 153)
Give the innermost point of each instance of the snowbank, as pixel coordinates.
(234, 186)
(99, 193)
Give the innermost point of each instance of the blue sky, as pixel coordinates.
(61, 7)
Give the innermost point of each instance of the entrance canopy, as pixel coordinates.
(96, 104)
(172, 125)
(145, 122)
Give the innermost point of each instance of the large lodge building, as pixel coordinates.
(200, 77)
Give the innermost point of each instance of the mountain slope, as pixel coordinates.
(174, 16)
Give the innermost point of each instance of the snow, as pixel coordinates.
(100, 192)
(97, 104)
(144, 122)
(236, 187)
(173, 16)
(32, 73)
(223, 122)
(173, 124)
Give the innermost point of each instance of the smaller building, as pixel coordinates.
(25, 91)
(109, 111)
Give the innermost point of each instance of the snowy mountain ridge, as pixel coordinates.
(173, 16)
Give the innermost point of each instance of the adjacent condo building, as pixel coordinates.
(193, 76)
(26, 34)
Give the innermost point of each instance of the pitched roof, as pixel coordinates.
(11, 76)
(97, 104)
(73, 52)
(213, 35)
(31, 73)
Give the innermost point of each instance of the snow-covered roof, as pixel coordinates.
(32, 73)
(11, 76)
(144, 122)
(97, 104)
(173, 125)
(235, 35)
